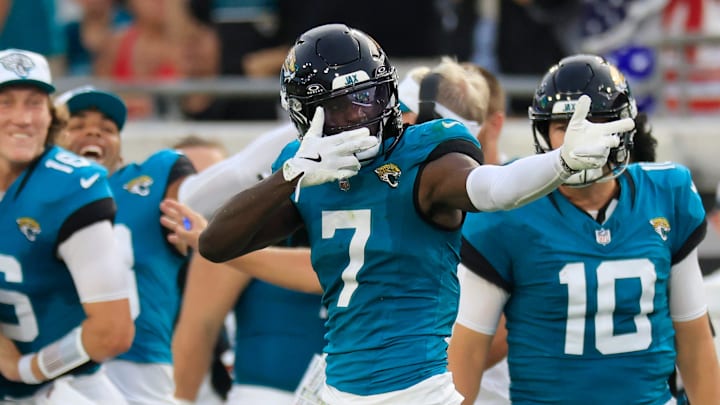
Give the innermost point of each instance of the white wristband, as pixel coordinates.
(179, 401)
(63, 355)
(25, 370)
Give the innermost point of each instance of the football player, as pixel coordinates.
(382, 205)
(143, 373)
(266, 316)
(599, 281)
(64, 284)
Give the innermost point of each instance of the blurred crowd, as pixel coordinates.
(165, 40)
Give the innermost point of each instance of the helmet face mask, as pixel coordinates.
(611, 99)
(347, 73)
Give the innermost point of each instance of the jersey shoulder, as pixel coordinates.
(481, 229)
(70, 176)
(163, 157)
(286, 153)
(666, 175)
(438, 131)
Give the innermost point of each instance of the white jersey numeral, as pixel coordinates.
(26, 330)
(66, 162)
(359, 220)
(607, 273)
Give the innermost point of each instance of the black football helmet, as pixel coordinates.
(611, 99)
(347, 73)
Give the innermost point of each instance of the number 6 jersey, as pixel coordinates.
(57, 195)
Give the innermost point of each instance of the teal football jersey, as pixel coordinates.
(59, 194)
(278, 332)
(388, 273)
(588, 316)
(138, 190)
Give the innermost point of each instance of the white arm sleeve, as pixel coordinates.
(493, 188)
(687, 291)
(95, 263)
(206, 191)
(481, 302)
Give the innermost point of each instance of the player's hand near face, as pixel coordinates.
(587, 144)
(322, 159)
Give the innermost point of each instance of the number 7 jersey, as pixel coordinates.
(588, 315)
(387, 272)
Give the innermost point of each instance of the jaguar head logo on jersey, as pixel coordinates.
(18, 63)
(29, 227)
(389, 173)
(139, 185)
(661, 227)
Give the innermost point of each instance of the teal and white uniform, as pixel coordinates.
(54, 197)
(388, 273)
(138, 190)
(588, 314)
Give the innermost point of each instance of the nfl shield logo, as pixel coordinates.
(344, 184)
(602, 236)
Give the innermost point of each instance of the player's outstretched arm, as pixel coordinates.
(586, 146)
(285, 267)
(263, 214)
(207, 190)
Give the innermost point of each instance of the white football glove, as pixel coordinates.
(587, 144)
(321, 159)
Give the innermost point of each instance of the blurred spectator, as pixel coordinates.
(33, 25)
(87, 35)
(620, 31)
(200, 59)
(202, 152)
(691, 80)
(253, 40)
(242, 39)
(426, 34)
(147, 49)
(527, 39)
(484, 41)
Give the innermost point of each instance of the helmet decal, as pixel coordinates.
(350, 79)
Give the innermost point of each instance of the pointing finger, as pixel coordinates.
(582, 107)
